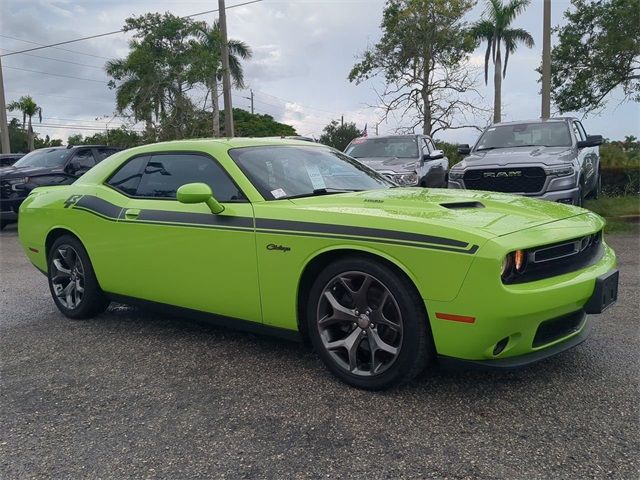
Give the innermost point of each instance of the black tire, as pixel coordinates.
(597, 189)
(3, 223)
(414, 347)
(91, 301)
(580, 199)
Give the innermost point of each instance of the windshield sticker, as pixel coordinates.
(278, 193)
(317, 180)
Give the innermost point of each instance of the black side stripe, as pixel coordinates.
(205, 219)
(269, 224)
(109, 211)
(98, 205)
(471, 250)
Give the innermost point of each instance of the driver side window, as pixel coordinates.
(82, 161)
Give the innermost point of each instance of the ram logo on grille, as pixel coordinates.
(511, 173)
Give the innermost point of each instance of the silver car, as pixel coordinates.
(550, 159)
(408, 160)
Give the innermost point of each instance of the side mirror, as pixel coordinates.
(591, 141)
(464, 149)
(199, 193)
(436, 155)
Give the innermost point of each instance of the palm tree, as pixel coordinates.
(29, 108)
(494, 28)
(238, 50)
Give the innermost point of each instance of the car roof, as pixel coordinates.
(239, 142)
(535, 120)
(404, 135)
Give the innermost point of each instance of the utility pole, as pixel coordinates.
(342, 120)
(377, 128)
(4, 126)
(250, 98)
(226, 77)
(546, 60)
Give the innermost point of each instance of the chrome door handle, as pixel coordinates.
(131, 213)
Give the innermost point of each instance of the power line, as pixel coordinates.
(46, 46)
(122, 30)
(57, 75)
(56, 59)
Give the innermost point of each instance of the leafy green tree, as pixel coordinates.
(164, 64)
(117, 137)
(495, 29)
(211, 41)
(29, 109)
(17, 136)
(598, 52)
(421, 56)
(245, 125)
(338, 136)
(47, 142)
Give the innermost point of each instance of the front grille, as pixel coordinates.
(5, 189)
(559, 258)
(557, 328)
(508, 180)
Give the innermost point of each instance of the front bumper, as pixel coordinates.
(9, 209)
(510, 363)
(507, 319)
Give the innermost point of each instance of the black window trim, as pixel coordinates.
(172, 152)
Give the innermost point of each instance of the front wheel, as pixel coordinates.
(72, 281)
(368, 324)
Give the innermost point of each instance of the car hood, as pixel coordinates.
(20, 172)
(486, 214)
(390, 164)
(505, 157)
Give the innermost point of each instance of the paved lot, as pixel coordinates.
(135, 394)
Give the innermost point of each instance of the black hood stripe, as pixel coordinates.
(113, 212)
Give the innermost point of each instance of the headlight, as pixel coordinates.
(513, 264)
(405, 179)
(561, 171)
(18, 181)
(456, 174)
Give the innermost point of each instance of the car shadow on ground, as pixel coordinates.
(299, 356)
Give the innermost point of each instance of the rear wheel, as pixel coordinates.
(368, 324)
(72, 281)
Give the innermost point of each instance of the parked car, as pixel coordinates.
(408, 160)
(7, 159)
(301, 240)
(46, 166)
(551, 159)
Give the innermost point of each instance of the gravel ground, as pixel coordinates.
(136, 394)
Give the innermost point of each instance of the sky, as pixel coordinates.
(303, 52)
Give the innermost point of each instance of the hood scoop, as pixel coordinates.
(462, 205)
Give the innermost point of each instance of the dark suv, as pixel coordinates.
(46, 166)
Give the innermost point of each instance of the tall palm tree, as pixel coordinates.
(29, 108)
(238, 50)
(494, 28)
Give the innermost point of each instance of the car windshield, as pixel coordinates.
(46, 158)
(400, 147)
(548, 134)
(298, 171)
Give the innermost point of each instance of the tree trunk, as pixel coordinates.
(30, 136)
(497, 81)
(215, 102)
(546, 61)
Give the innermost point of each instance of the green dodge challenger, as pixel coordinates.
(300, 240)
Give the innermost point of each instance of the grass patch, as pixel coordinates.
(613, 208)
